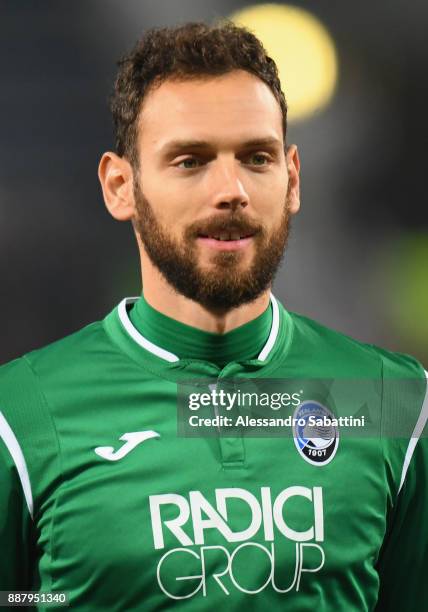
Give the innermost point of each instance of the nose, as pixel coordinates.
(227, 187)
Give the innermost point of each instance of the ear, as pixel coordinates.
(116, 178)
(293, 168)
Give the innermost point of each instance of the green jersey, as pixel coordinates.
(101, 498)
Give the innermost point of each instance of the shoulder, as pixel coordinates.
(81, 342)
(25, 380)
(351, 356)
(31, 388)
(71, 351)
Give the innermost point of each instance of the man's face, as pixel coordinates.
(212, 166)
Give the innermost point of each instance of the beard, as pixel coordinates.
(225, 284)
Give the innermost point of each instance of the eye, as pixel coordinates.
(259, 159)
(189, 163)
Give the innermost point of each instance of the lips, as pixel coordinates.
(225, 243)
(226, 236)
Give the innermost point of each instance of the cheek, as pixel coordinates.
(169, 208)
(271, 207)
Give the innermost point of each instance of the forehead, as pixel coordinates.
(224, 109)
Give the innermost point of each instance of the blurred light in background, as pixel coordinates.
(407, 290)
(303, 50)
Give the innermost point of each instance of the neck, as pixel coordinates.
(161, 296)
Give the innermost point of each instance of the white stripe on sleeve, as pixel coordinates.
(420, 424)
(15, 451)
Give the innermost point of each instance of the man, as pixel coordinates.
(100, 498)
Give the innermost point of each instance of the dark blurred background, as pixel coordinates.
(358, 256)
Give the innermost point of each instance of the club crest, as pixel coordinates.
(315, 436)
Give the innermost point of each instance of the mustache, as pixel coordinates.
(225, 224)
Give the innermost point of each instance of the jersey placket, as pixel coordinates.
(232, 448)
(231, 444)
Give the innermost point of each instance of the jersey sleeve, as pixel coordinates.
(29, 466)
(16, 544)
(403, 560)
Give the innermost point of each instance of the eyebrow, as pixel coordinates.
(174, 146)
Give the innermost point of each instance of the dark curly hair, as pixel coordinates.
(187, 51)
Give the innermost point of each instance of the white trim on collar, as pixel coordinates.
(273, 335)
(163, 354)
(139, 338)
